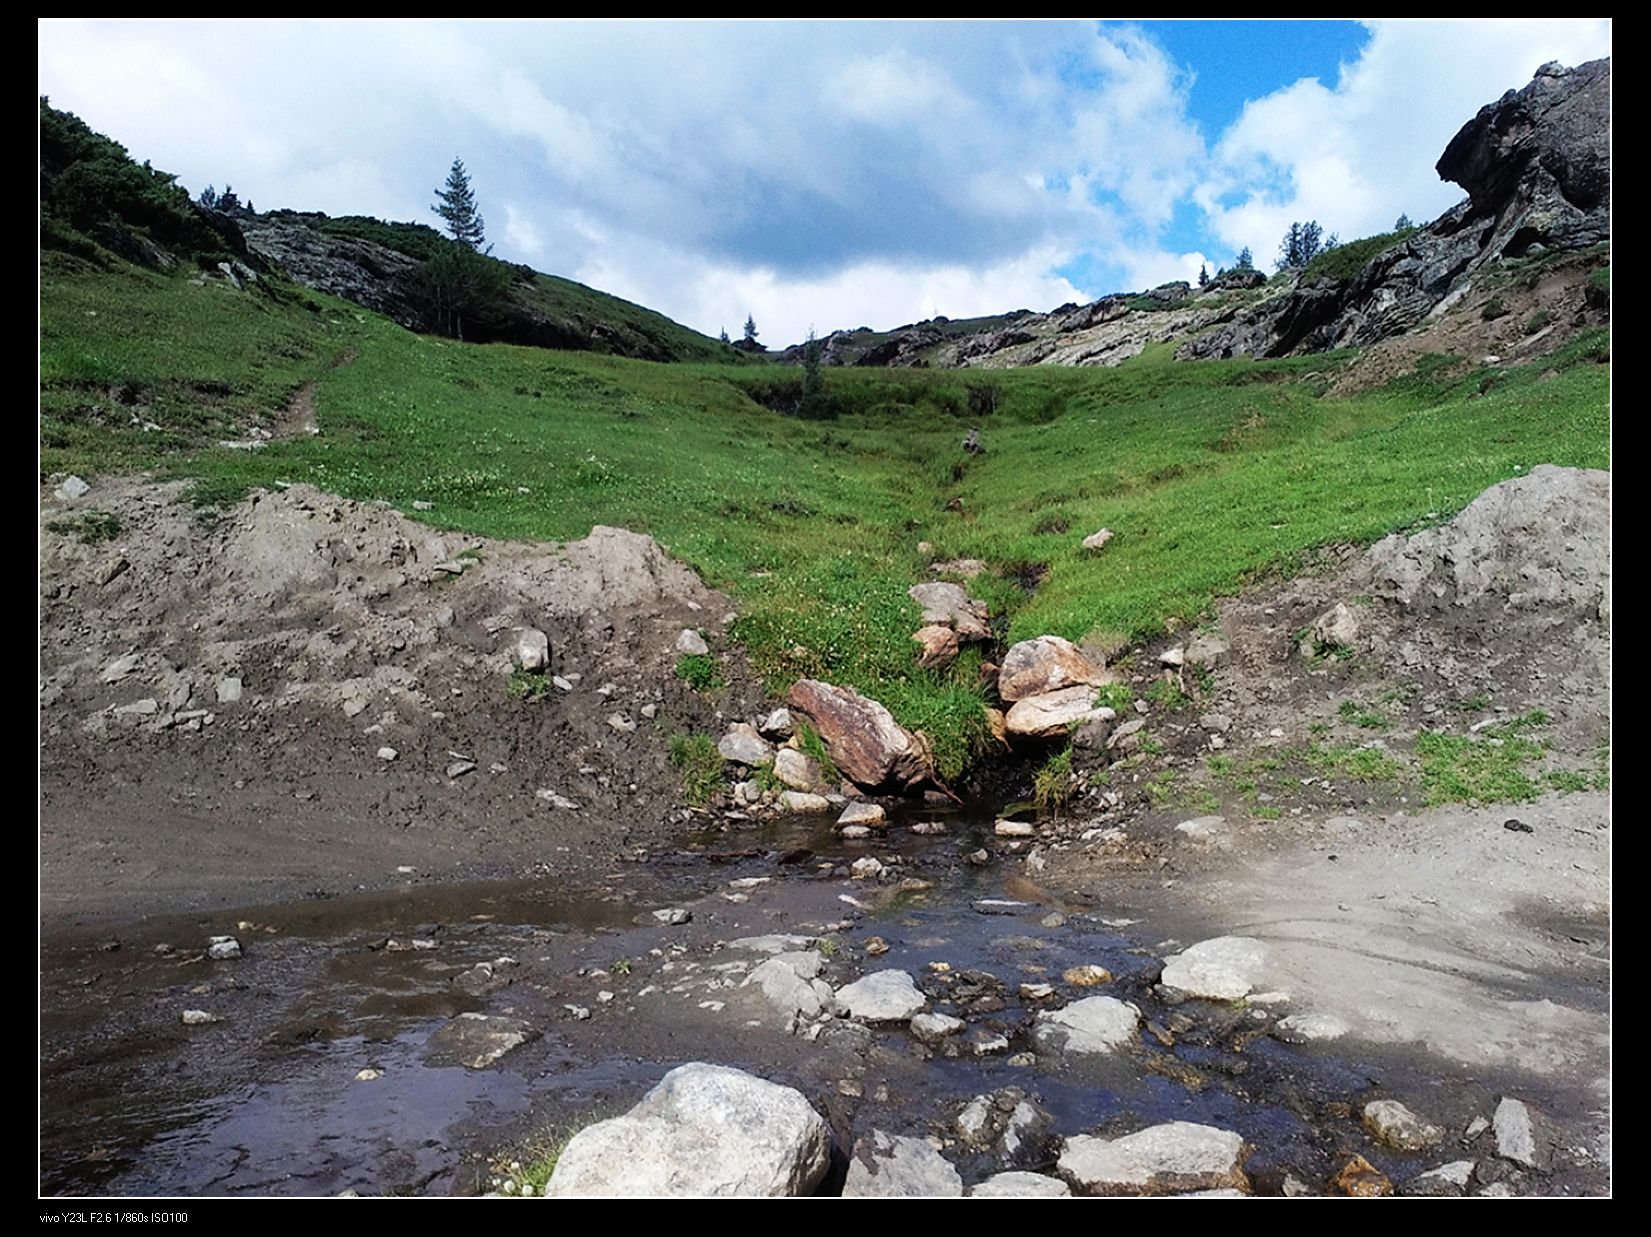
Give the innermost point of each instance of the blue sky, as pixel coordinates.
(821, 174)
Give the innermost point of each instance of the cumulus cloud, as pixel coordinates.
(814, 173)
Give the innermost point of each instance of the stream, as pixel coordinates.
(272, 1099)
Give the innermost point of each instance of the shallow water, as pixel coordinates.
(267, 1102)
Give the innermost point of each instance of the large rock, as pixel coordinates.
(888, 1166)
(866, 744)
(531, 650)
(1515, 1134)
(1538, 161)
(1537, 168)
(1225, 968)
(948, 605)
(1052, 715)
(1047, 664)
(742, 745)
(704, 1131)
(882, 996)
(1176, 1158)
(790, 983)
(1538, 541)
(1093, 1026)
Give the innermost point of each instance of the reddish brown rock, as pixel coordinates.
(1048, 664)
(1359, 1178)
(938, 647)
(871, 749)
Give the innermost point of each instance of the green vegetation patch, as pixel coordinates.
(88, 527)
(699, 671)
(700, 764)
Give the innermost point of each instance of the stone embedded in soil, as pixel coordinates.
(1174, 1158)
(933, 1028)
(229, 690)
(1336, 628)
(1224, 968)
(387, 753)
(1515, 1134)
(888, 1166)
(882, 996)
(199, 1018)
(1390, 1122)
(477, 1041)
(1205, 651)
(72, 487)
(691, 643)
(1044, 665)
(119, 668)
(1203, 828)
(1447, 1181)
(704, 1131)
(1020, 1185)
(742, 745)
(674, 915)
(1359, 1178)
(1174, 658)
(223, 948)
(864, 814)
(1308, 1028)
(531, 650)
(1092, 1026)
(459, 768)
(1097, 540)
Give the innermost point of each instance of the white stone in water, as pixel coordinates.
(223, 948)
(1394, 1124)
(932, 1028)
(1094, 1025)
(704, 1131)
(882, 996)
(199, 1018)
(1308, 1028)
(1173, 1158)
(887, 1166)
(674, 915)
(1225, 968)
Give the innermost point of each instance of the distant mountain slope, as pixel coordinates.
(101, 206)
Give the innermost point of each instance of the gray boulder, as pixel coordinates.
(1095, 1025)
(704, 1131)
(1175, 1158)
(1225, 968)
(882, 996)
(888, 1166)
(1048, 664)
(1020, 1185)
(742, 745)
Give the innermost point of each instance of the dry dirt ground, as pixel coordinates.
(350, 629)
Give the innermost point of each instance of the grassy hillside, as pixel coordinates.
(1209, 473)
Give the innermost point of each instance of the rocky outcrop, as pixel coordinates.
(371, 275)
(1541, 541)
(866, 744)
(1537, 168)
(704, 1131)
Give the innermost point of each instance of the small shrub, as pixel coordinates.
(699, 671)
(1494, 308)
(1054, 785)
(1537, 321)
(697, 759)
(1168, 692)
(814, 747)
(526, 685)
(1362, 716)
(1115, 696)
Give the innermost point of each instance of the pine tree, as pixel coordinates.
(724, 335)
(750, 329)
(209, 197)
(456, 204)
(1203, 275)
(1245, 262)
(1403, 224)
